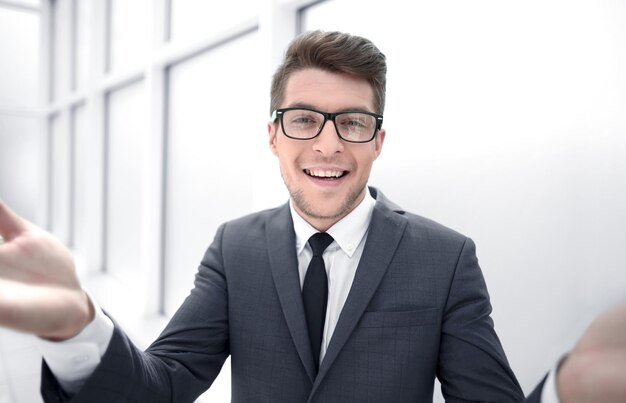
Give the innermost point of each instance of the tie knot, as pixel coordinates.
(319, 242)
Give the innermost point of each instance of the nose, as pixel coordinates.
(328, 142)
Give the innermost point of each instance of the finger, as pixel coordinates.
(11, 225)
(38, 258)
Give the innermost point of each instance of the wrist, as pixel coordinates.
(83, 314)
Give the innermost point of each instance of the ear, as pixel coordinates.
(272, 130)
(378, 142)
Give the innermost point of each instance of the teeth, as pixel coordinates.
(324, 174)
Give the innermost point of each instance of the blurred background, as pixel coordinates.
(132, 129)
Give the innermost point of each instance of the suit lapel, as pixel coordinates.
(281, 243)
(386, 229)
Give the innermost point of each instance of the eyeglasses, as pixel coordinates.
(305, 124)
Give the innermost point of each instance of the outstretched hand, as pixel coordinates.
(39, 290)
(595, 370)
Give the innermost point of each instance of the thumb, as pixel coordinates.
(11, 225)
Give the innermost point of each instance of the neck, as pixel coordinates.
(323, 223)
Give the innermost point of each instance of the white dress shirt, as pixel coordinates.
(341, 257)
(74, 360)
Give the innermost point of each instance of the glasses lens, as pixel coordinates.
(302, 123)
(355, 126)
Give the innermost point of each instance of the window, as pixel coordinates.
(126, 144)
(22, 144)
(211, 153)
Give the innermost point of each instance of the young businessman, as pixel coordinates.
(337, 296)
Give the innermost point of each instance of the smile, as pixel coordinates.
(325, 174)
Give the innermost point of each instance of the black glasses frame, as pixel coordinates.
(278, 114)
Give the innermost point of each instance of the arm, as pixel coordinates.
(180, 365)
(472, 364)
(40, 294)
(74, 360)
(595, 370)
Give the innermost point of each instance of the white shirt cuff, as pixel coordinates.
(72, 361)
(549, 393)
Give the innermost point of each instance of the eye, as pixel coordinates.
(355, 121)
(303, 118)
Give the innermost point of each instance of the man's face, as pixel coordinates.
(325, 176)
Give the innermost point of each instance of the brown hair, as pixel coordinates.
(336, 52)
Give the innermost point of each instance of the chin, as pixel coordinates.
(325, 209)
(313, 210)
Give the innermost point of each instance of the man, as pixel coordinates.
(337, 296)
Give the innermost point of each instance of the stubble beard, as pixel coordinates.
(305, 207)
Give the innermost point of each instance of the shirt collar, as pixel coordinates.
(347, 232)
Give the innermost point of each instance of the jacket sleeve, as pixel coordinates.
(472, 364)
(535, 396)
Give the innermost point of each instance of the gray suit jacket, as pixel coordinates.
(418, 308)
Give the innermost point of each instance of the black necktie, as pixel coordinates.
(315, 292)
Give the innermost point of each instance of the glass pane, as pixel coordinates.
(130, 40)
(22, 159)
(19, 53)
(81, 212)
(193, 20)
(35, 3)
(83, 34)
(62, 48)
(212, 153)
(60, 177)
(126, 130)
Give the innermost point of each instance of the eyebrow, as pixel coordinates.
(309, 106)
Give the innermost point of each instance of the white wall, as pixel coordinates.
(505, 121)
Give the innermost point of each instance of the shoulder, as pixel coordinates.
(431, 228)
(245, 236)
(417, 226)
(427, 237)
(254, 225)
